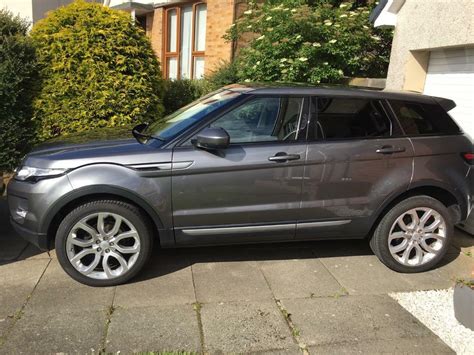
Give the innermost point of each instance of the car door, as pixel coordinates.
(251, 190)
(357, 159)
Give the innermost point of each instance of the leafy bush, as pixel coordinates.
(310, 41)
(224, 75)
(18, 84)
(179, 93)
(98, 70)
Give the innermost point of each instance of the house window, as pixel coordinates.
(185, 41)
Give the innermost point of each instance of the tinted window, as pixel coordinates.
(347, 118)
(417, 119)
(263, 119)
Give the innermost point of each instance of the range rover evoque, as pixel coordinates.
(250, 164)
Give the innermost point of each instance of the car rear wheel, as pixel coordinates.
(414, 235)
(103, 243)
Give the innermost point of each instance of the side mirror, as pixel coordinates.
(212, 138)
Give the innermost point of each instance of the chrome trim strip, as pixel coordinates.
(157, 166)
(182, 165)
(303, 225)
(243, 229)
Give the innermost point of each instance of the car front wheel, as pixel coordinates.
(414, 235)
(103, 243)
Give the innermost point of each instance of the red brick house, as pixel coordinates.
(185, 34)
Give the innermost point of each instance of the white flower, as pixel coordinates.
(284, 71)
(249, 26)
(270, 29)
(248, 12)
(258, 62)
(303, 59)
(293, 10)
(343, 15)
(316, 44)
(247, 80)
(376, 38)
(365, 27)
(261, 37)
(333, 41)
(298, 37)
(283, 60)
(343, 6)
(326, 63)
(329, 23)
(268, 18)
(340, 72)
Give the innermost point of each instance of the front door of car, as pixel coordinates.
(357, 160)
(250, 190)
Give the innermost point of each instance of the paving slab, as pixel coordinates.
(170, 328)
(167, 280)
(57, 292)
(230, 281)
(353, 319)
(244, 327)
(51, 332)
(17, 281)
(420, 345)
(300, 279)
(365, 274)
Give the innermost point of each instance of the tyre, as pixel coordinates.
(103, 243)
(414, 235)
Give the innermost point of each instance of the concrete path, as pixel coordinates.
(318, 297)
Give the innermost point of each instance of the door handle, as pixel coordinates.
(388, 149)
(282, 157)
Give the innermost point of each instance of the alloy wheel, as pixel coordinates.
(417, 236)
(103, 245)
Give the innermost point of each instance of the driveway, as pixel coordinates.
(316, 297)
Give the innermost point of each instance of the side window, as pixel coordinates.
(348, 118)
(263, 119)
(418, 119)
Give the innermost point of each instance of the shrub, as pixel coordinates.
(98, 70)
(224, 75)
(18, 83)
(179, 93)
(310, 41)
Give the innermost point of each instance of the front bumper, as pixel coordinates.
(41, 240)
(30, 206)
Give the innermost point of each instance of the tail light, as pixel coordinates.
(468, 157)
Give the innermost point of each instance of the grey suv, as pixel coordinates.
(250, 164)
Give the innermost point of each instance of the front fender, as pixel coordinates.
(152, 192)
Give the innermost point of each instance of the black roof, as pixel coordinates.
(337, 90)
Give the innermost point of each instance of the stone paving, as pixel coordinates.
(312, 297)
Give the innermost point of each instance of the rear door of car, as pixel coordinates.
(251, 190)
(357, 159)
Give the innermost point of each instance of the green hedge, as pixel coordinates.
(18, 86)
(98, 70)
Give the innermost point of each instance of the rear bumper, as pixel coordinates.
(39, 239)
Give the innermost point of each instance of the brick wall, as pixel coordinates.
(156, 33)
(220, 15)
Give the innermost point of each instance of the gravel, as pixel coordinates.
(435, 310)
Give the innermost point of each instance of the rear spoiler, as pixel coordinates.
(447, 104)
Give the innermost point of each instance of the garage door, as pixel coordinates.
(451, 75)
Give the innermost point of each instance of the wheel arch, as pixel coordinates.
(100, 192)
(444, 195)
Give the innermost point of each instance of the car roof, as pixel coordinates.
(336, 90)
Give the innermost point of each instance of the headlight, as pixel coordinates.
(29, 173)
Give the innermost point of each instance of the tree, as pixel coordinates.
(18, 86)
(98, 70)
(310, 41)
